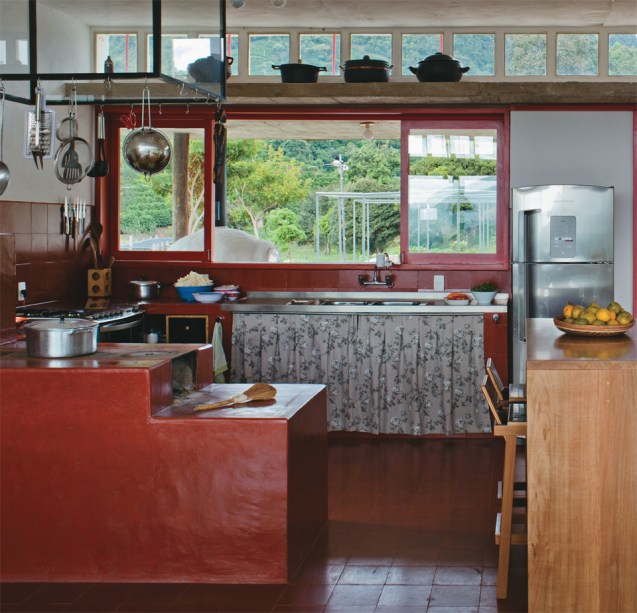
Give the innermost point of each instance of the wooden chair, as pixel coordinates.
(505, 394)
(509, 423)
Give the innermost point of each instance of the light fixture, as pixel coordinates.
(238, 4)
(368, 133)
(279, 3)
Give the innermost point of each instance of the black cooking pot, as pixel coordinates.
(366, 71)
(299, 73)
(439, 67)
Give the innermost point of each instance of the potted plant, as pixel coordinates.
(484, 292)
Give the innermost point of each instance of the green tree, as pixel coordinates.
(260, 180)
(282, 227)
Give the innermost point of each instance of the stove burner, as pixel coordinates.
(103, 314)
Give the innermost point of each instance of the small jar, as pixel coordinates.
(108, 65)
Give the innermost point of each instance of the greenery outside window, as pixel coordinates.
(524, 55)
(622, 54)
(476, 51)
(377, 46)
(416, 47)
(122, 48)
(454, 191)
(577, 54)
(160, 212)
(266, 50)
(321, 50)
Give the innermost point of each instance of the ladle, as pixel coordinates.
(5, 175)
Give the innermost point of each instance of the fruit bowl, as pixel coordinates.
(599, 331)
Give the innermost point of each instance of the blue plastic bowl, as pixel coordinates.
(186, 293)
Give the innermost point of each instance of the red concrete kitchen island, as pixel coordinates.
(106, 477)
(582, 471)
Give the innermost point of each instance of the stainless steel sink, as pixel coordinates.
(344, 302)
(404, 303)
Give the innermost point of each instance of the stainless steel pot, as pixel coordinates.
(61, 338)
(141, 289)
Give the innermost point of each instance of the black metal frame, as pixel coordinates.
(33, 76)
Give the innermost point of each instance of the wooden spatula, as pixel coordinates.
(259, 391)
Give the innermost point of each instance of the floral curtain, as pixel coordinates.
(395, 374)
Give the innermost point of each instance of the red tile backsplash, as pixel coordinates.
(54, 266)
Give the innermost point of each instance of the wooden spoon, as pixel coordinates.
(259, 391)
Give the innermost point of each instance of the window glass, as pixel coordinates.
(267, 50)
(577, 54)
(121, 47)
(524, 54)
(476, 51)
(232, 50)
(321, 50)
(622, 54)
(416, 47)
(156, 211)
(329, 199)
(452, 200)
(377, 46)
(170, 57)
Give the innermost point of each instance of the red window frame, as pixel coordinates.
(175, 117)
(498, 121)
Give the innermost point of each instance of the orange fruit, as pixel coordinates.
(568, 310)
(603, 314)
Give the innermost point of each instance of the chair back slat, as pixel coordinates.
(488, 389)
(492, 371)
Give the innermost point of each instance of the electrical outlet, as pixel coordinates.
(22, 290)
(439, 283)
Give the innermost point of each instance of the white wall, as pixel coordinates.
(29, 183)
(581, 147)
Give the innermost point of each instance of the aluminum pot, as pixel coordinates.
(299, 73)
(141, 289)
(439, 67)
(61, 338)
(366, 71)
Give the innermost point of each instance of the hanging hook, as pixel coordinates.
(181, 89)
(210, 100)
(108, 85)
(160, 108)
(187, 109)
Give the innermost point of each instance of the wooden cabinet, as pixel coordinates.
(187, 322)
(582, 482)
(496, 342)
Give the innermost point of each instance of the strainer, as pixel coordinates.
(147, 150)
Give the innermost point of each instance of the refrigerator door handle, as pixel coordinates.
(523, 303)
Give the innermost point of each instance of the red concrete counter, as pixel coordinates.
(102, 480)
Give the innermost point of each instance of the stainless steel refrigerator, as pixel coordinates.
(561, 250)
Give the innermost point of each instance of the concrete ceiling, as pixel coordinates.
(433, 13)
(359, 14)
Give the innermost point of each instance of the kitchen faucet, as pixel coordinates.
(388, 281)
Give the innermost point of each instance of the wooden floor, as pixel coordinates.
(410, 529)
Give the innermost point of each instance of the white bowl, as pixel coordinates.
(209, 296)
(456, 302)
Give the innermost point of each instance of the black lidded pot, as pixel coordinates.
(439, 67)
(366, 71)
(299, 73)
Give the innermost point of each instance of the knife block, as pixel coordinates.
(99, 282)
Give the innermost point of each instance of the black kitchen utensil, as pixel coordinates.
(299, 73)
(101, 167)
(439, 67)
(366, 71)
